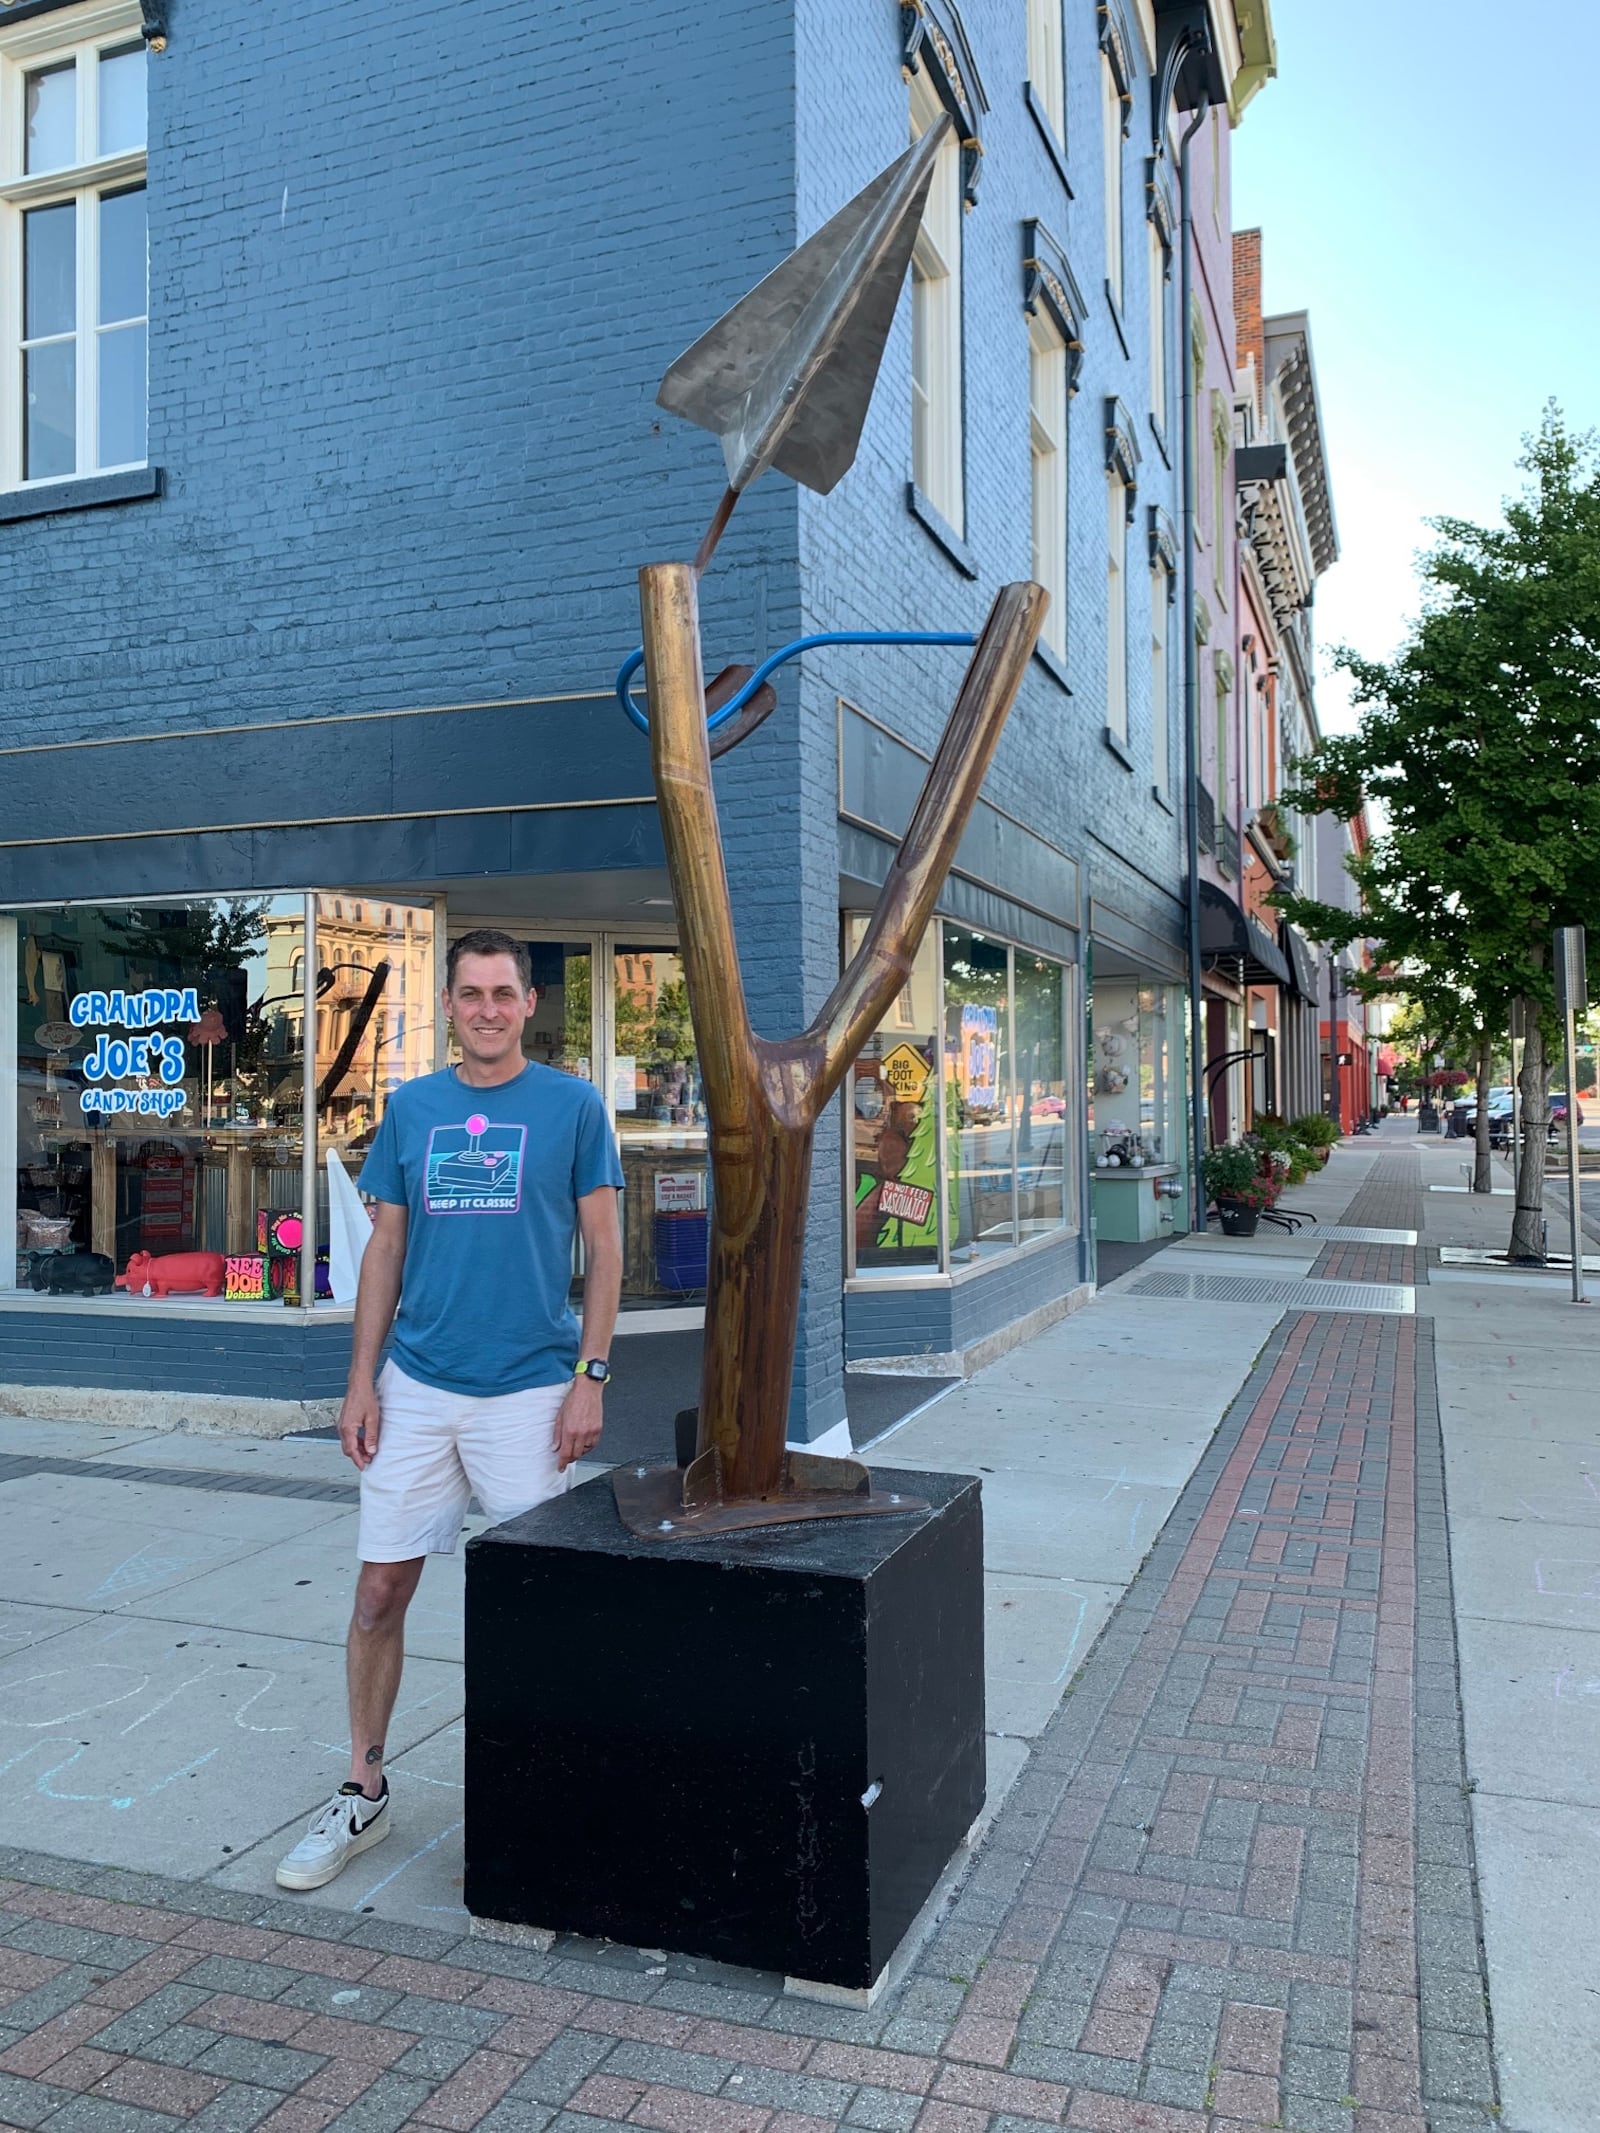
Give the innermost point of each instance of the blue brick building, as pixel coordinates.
(316, 672)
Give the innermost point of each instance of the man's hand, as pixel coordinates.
(359, 1422)
(578, 1423)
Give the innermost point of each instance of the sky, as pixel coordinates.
(1422, 174)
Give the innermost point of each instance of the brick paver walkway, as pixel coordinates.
(1232, 1890)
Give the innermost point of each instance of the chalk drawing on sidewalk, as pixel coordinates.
(1568, 1577)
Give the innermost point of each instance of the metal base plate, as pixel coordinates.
(667, 1503)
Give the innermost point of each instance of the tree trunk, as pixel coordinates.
(1482, 1166)
(1527, 1224)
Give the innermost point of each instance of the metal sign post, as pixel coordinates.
(1572, 995)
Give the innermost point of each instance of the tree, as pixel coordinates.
(1481, 742)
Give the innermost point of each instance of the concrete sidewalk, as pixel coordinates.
(171, 1673)
(1238, 1837)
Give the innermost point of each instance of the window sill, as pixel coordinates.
(942, 531)
(1115, 308)
(1162, 798)
(1160, 436)
(84, 492)
(888, 1282)
(1118, 747)
(1054, 665)
(1047, 133)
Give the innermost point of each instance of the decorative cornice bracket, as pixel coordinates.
(1048, 283)
(1122, 449)
(1163, 538)
(933, 36)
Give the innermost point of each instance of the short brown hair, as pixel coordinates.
(488, 940)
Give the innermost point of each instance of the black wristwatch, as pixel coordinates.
(593, 1369)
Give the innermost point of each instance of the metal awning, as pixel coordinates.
(1239, 944)
(1303, 964)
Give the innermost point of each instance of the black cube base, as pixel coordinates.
(762, 1748)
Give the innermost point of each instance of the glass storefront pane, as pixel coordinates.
(1041, 1100)
(561, 1031)
(155, 1069)
(375, 1019)
(156, 1060)
(661, 1127)
(893, 1122)
(977, 1053)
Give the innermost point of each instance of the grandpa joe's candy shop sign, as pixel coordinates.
(149, 1057)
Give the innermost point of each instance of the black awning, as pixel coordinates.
(1239, 943)
(1303, 964)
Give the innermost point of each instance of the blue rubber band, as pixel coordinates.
(736, 703)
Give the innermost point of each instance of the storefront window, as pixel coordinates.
(962, 1146)
(1136, 1101)
(893, 1121)
(661, 1126)
(155, 1060)
(1041, 1104)
(978, 1099)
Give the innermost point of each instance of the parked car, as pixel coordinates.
(1499, 1106)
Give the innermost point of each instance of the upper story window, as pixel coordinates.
(1047, 64)
(1117, 605)
(73, 255)
(1047, 420)
(1158, 324)
(1111, 130)
(936, 383)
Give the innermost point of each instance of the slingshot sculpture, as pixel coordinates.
(785, 378)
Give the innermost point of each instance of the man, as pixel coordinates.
(479, 1174)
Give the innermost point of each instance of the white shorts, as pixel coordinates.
(435, 1449)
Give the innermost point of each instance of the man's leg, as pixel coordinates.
(374, 1655)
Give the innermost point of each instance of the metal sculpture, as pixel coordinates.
(785, 379)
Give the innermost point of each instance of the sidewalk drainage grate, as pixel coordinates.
(1292, 1295)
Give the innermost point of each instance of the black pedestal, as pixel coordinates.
(762, 1748)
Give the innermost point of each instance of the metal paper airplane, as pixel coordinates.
(785, 377)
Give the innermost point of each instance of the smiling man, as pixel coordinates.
(480, 1174)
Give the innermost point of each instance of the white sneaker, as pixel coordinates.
(350, 1823)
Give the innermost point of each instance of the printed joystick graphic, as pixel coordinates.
(477, 1126)
(785, 379)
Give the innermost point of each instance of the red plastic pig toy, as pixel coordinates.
(173, 1273)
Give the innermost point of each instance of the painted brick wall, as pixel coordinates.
(258, 1360)
(867, 563)
(417, 267)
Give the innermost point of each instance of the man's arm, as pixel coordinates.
(377, 1295)
(577, 1430)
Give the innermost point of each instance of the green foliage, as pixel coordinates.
(1233, 1171)
(1314, 1129)
(1481, 744)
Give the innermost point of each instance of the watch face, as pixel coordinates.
(598, 1371)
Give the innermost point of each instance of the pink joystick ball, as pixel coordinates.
(477, 1123)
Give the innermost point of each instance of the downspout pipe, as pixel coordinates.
(1191, 676)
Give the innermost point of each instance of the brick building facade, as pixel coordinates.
(345, 628)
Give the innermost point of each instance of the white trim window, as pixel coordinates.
(1047, 63)
(1160, 680)
(936, 383)
(1158, 325)
(1117, 605)
(1111, 129)
(73, 251)
(1047, 431)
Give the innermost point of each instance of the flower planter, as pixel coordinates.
(1323, 1155)
(1238, 1217)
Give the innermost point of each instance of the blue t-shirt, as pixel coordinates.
(490, 1179)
